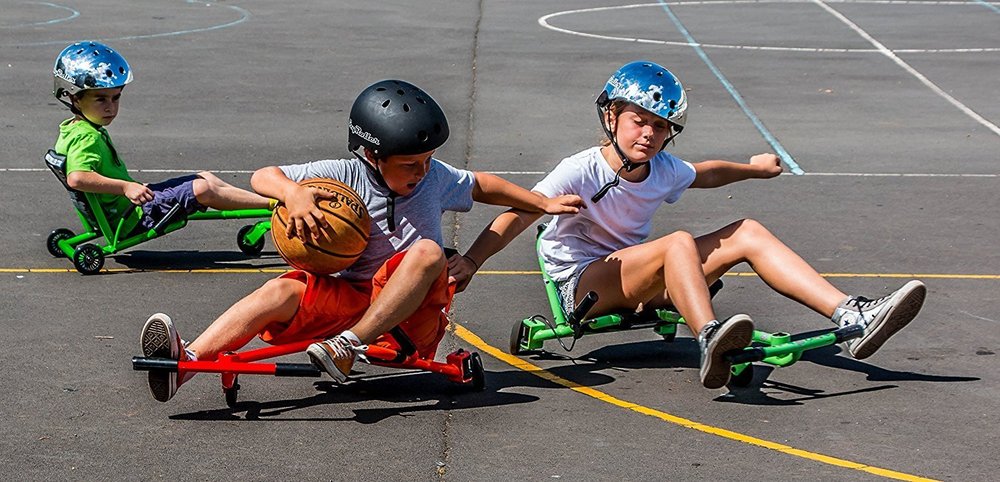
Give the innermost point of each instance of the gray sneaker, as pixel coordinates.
(715, 340)
(880, 318)
(159, 339)
(336, 355)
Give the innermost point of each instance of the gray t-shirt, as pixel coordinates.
(418, 215)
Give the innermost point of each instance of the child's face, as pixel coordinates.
(640, 134)
(402, 173)
(99, 106)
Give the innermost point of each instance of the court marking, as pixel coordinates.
(770, 138)
(539, 173)
(244, 15)
(474, 340)
(905, 66)
(741, 274)
(73, 14)
(544, 22)
(879, 47)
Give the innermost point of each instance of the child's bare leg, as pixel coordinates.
(404, 291)
(776, 264)
(665, 269)
(401, 296)
(277, 300)
(216, 193)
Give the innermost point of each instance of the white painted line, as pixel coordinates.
(924, 80)
(72, 14)
(244, 15)
(542, 173)
(544, 22)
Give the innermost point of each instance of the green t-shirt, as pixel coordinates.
(88, 148)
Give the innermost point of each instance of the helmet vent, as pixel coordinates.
(109, 73)
(657, 97)
(380, 89)
(406, 108)
(659, 74)
(386, 103)
(400, 91)
(422, 135)
(421, 100)
(121, 70)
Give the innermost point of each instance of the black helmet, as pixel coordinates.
(393, 117)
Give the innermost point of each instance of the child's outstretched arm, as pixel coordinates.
(305, 216)
(495, 190)
(496, 236)
(90, 181)
(709, 174)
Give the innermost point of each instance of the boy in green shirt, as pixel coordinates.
(89, 79)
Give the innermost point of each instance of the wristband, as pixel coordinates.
(474, 263)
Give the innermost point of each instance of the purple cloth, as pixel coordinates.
(179, 190)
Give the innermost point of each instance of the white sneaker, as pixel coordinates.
(715, 340)
(337, 355)
(880, 318)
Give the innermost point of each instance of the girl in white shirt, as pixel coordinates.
(604, 248)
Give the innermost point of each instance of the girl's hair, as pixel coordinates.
(612, 112)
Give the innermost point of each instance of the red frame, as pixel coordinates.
(247, 362)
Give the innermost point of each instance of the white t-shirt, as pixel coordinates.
(622, 218)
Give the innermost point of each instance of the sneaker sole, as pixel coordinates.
(906, 309)
(320, 358)
(734, 335)
(158, 340)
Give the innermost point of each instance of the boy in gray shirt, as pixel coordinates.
(401, 279)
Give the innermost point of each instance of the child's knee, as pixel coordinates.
(428, 255)
(282, 291)
(751, 230)
(680, 241)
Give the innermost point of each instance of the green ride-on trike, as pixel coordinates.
(88, 258)
(777, 349)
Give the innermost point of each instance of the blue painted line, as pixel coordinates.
(989, 6)
(778, 148)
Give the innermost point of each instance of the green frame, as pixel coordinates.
(777, 349)
(89, 257)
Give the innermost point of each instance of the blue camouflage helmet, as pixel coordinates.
(649, 86)
(89, 65)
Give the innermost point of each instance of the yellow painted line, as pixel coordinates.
(520, 364)
(493, 273)
(825, 275)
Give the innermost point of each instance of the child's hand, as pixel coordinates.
(139, 194)
(305, 217)
(768, 164)
(460, 271)
(565, 204)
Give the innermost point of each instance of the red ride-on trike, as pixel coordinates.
(461, 366)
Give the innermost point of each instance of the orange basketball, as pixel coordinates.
(349, 223)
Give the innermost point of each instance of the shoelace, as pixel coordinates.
(343, 348)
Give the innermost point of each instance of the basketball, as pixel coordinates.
(349, 223)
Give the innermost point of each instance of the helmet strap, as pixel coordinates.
(391, 198)
(627, 163)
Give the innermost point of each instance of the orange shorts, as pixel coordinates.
(331, 305)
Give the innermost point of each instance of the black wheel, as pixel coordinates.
(88, 258)
(518, 336)
(478, 374)
(247, 248)
(232, 393)
(744, 379)
(53, 241)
